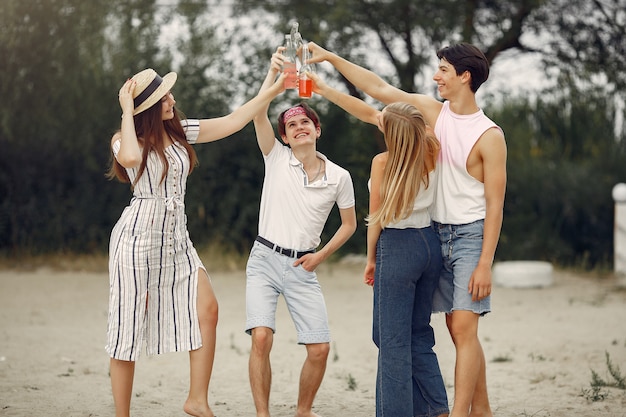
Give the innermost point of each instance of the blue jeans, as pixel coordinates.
(409, 381)
(461, 246)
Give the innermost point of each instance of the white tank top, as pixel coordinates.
(420, 216)
(460, 198)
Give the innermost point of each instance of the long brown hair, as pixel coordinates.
(151, 128)
(412, 155)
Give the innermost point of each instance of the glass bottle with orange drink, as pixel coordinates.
(305, 84)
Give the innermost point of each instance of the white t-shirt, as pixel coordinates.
(293, 212)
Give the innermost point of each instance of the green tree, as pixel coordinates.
(564, 159)
(584, 38)
(51, 118)
(63, 62)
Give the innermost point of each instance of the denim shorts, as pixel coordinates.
(461, 246)
(270, 274)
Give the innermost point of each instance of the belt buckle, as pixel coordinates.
(287, 252)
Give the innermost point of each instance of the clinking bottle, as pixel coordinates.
(296, 37)
(305, 84)
(289, 65)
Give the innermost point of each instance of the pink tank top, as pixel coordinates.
(460, 198)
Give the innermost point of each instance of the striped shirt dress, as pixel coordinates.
(153, 265)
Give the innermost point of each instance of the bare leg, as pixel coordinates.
(311, 377)
(480, 402)
(470, 364)
(122, 375)
(260, 370)
(201, 360)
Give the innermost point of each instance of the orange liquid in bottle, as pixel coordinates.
(305, 87)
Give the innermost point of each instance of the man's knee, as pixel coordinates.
(262, 338)
(462, 325)
(318, 352)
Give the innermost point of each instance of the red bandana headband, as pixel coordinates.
(292, 112)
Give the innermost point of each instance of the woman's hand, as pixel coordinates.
(368, 276)
(126, 97)
(318, 54)
(319, 86)
(278, 59)
(276, 68)
(279, 84)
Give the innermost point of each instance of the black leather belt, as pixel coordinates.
(292, 253)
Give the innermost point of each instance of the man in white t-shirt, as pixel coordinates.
(300, 188)
(469, 201)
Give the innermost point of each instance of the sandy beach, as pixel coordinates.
(541, 347)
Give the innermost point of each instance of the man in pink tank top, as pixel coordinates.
(469, 205)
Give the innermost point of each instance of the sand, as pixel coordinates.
(541, 347)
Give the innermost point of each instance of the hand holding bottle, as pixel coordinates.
(318, 85)
(277, 61)
(317, 53)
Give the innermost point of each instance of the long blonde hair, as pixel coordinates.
(412, 154)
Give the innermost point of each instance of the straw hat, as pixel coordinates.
(151, 88)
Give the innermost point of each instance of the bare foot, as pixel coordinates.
(197, 409)
(481, 414)
(307, 414)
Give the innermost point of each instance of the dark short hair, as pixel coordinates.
(310, 113)
(467, 57)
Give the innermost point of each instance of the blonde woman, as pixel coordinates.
(403, 257)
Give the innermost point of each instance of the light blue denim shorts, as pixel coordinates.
(461, 246)
(270, 274)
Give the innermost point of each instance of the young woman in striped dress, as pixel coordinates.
(161, 296)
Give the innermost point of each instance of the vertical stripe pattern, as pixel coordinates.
(153, 265)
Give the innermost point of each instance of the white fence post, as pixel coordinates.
(619, 232)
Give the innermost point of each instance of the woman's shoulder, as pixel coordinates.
(116, 139)
(191, 127)
(380, 158)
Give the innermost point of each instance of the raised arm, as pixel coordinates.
(374, 86)
(356, 107)
(262, 125)
(221, 127)
(129, 154)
